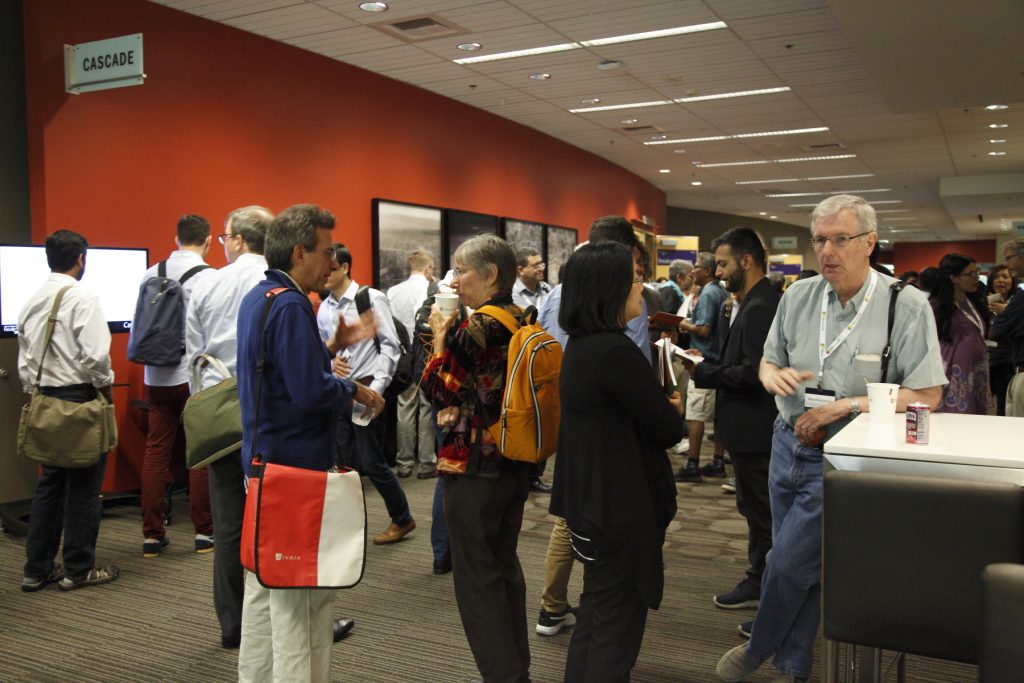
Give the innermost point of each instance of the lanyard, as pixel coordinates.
(826, 351)
(971, 314)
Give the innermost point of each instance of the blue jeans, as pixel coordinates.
(65, 500)
(439, 526)
(787, 618)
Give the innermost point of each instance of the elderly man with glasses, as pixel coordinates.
(821, 324)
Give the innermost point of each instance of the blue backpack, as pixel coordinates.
(157, 336)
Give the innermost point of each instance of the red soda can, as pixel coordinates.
(917, 422)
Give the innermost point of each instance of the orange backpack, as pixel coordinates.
(528, 427)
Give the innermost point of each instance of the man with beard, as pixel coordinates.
(744, 411)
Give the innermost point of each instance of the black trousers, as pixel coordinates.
(484, 518)
(361, 448)
(754, 504)
(227, 501)
(609, 627)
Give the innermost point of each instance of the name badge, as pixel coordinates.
(818, 397)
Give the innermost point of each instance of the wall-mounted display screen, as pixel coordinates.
(113, 274)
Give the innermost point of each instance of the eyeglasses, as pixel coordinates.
(974, 274)
(328, 252)
(459, 272)
(839, 241)
(539, 266)
(223, 237)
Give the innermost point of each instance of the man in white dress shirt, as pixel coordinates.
(530, 288)
(415, 419)
(77, 366)
(166, 393)
(371, 363)
(211, 328)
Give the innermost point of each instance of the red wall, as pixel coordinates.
(919, 255)
(228, 118)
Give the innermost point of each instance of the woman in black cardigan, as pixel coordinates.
(613, 481)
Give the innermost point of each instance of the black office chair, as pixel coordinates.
(1002, 628)
(903, 558)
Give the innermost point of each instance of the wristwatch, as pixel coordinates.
(854, 407)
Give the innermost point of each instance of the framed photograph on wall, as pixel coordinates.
(460, 226)
(559, 245)
(523, 234)
(398, 230)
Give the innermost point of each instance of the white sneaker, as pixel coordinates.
(681, 448)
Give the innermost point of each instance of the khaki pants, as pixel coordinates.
(286, 634)
(557, 569)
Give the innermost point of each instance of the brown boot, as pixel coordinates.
(394, 533)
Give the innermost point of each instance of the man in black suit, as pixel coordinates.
(744, 411)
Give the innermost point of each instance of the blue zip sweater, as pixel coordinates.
(300, 398)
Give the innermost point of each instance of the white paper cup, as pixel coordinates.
(882, 401)
(447, 302)
(361, 415)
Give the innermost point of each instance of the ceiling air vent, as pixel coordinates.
(642, 130)
(415, 29)
(825, 146)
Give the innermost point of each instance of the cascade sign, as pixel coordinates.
(103, 64)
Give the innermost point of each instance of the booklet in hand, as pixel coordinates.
(665, 321)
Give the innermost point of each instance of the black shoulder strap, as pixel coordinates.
(362, 306)
(161, 269)
(894, 292)
(190, 272)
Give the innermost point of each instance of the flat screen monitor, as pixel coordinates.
(112, 273)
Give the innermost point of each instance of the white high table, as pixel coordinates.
(975, 447)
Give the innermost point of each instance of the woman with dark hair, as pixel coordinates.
(961, 318)
(1002, 286)
(484, 492)
(613, 481)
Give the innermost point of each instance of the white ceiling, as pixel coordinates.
(902, 85)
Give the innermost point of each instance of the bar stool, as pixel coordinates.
(902, 561)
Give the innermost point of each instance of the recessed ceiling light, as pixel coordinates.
(997, 154)
(469, 47)
(540, 76)
(679, 151)
(996, 107)
(628, 122)
(737, 136)
(997, 125)
(373, 6)
(696, 183)
(997, 142)
(665, 170)
(762, 213)
(591, 100)
(563, 47)
(773, 217)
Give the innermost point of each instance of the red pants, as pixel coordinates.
(165, 451)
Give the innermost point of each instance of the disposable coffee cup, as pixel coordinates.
(882, 401)
(447, 302)
(361, 414)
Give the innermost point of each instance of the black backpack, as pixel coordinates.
(403, 377)
(157, 336)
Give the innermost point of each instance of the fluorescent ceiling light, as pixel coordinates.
(993, 154)
(901, 218)
(665, 170)
(737, 136)
(886, 201)
(726, 95)
(680, 100)
(997, 141)
(996, 107)
(613, 107)
(842, 177)
(768, 182)
(793, 180)
(723, 164)
(565, 47)
(997, 125)
(696, 183)
(818, 194)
